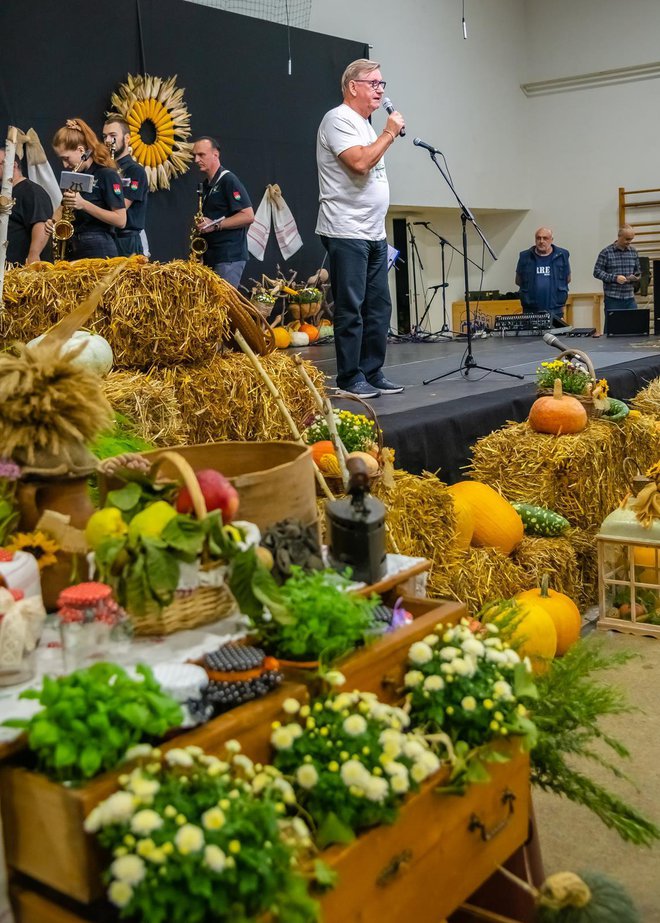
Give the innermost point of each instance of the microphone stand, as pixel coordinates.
(445, 330)
(468, 361)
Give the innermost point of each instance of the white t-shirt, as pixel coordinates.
(350, 205)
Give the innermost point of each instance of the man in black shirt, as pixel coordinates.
(227, 213)
(116, 135)
(32, 207)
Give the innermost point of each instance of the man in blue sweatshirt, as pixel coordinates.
(542, 274)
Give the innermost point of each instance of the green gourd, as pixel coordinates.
(564, 901)
(538, 520)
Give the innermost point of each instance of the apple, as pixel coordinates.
(218, 494)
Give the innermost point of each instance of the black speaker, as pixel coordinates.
(401, 278)
(628, 323)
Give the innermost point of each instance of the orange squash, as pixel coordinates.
(319, 449)
(561, 609)
(311, 331)
(496, 523)
(558, 413)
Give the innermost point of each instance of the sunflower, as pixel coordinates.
(160, 124)
(38, 544)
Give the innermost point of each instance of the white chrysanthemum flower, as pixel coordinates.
(214, 858)
(391, 734)
(396, 769)
(354, 725)
(431, 640)
(213, 819)
(144, 789)
(512, 656)
(420, 653)
(335, 678)
(288, 794)
(343, 700)
(493, 628)
(120, 893)
(468, 703)
(281, 738)
(145, 822)
(391, 748)
(496, 656)
(449, 653)
(307, 776)
(260, 781)
(418, 772)
(413, 678)
(528, 664)
(300, 828)
(137, 751)
(379, 711)
(461, 667)
(118, 808)
(130, 869)
(493, 642)
(94, 820)
(473, 646)
(353, 772)
(413, 749)
(377, 789)
(502, 690)
(401, 716)
(291, 706)
(194, 750)
(244, 763)
(189, 838)
(179, 757)
(429, 761)
(434, 683)
(400, 784)
(233, 746)
(295, 731)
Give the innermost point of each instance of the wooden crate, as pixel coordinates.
(438, 852)
(43, 820)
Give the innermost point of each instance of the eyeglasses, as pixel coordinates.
(374, 84)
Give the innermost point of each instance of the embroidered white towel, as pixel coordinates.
(273, 209)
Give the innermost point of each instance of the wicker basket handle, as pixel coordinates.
(345, 395)
(188, 477)
(581, 355)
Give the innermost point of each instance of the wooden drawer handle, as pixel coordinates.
(396, 864)
(508, 799)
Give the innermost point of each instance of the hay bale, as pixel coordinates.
(648, 399)
(167, 314)
(150, 403)
(581, 476)
(566, 559)
(477, 576)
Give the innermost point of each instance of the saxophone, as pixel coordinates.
(198, 244)
(63, 227)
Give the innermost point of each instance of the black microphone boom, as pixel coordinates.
(429, 147)
(389, 108)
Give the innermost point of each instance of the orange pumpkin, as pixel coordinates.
(311, 331)
(558, 413)
(319, 449)
(561, 609)
(496, 523)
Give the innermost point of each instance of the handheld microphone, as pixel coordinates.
(389, 108)
(552, 340)
(419, 143)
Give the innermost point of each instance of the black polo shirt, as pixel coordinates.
(31, 205)
(107, 193)
(136, 189)
(224, 196)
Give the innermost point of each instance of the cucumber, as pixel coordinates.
(539, 521)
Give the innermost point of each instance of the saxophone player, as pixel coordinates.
(97, 214)
(116, 135)
(227, 213)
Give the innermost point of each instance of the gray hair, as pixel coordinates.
(356, 70)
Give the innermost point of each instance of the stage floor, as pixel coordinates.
(431, 427)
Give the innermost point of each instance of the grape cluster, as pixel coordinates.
(221, 697)
(233, 658)
(383, 615)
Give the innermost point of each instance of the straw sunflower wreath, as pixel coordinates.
(160, 126)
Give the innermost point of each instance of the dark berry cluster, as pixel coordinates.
(221, 697)
(234, 658)
(383, 614)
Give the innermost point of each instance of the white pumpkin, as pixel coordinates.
(96, 355)
(299, 339)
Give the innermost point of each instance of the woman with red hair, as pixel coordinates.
(99, 212)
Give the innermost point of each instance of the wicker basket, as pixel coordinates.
(585, 399)
(189, 608)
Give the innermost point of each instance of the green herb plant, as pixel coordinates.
(9, 474)
(351, 761)
(307, 296)
(196, 839)
(574, 379)
(90, 717)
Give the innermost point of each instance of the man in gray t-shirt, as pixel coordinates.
(353, 201)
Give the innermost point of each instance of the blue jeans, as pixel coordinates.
(618, 304)
(358, 276)
(230, 272)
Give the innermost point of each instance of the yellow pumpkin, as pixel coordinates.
(561, 609)
(282, 337)
(496, 523)
(644, 555)
(464, 521)
(534, 634)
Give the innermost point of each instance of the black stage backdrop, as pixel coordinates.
(61, 60)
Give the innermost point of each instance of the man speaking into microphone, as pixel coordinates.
(354, 196)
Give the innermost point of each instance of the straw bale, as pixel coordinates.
(150, 403)
(581, 476)
(477, 576)
(168, 314)
(563, 559)
(648, 399)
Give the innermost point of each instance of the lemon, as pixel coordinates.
(151, 521)
(104, 524)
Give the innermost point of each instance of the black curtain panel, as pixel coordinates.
(63, 60)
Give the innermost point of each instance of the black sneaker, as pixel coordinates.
(361, 389)
(386, 387)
